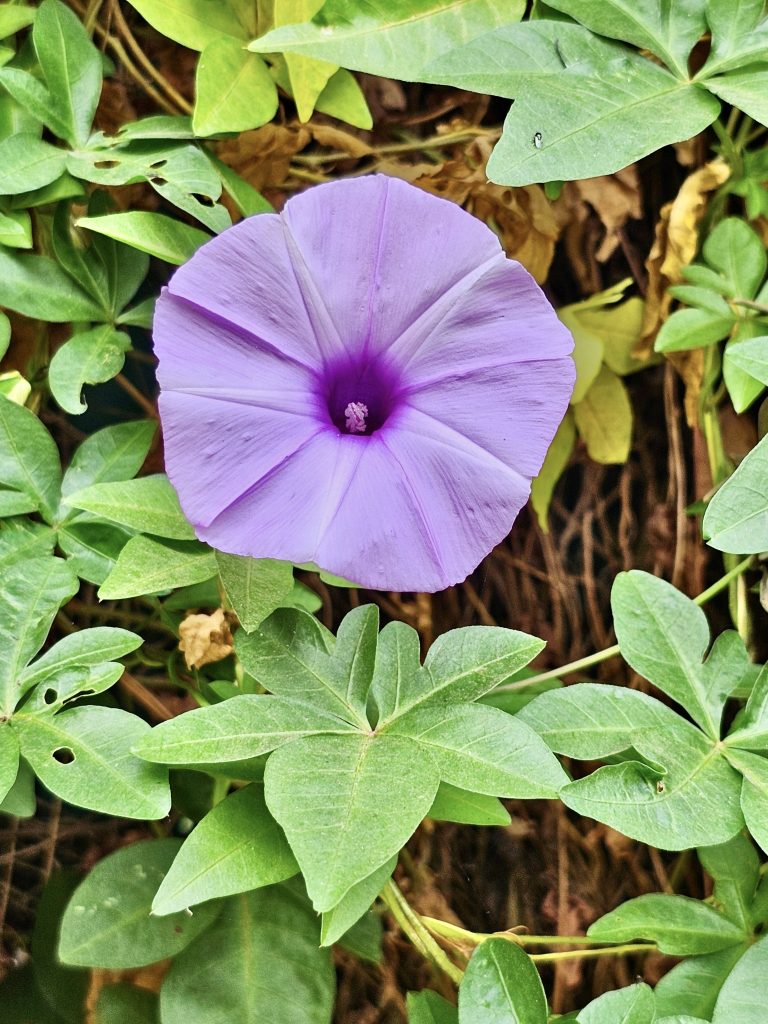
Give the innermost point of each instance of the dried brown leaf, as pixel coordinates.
(205, 638)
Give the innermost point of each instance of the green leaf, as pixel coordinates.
(670, 33)
(64, 988)
(32, 594)
(427, 1007)
(501, 986)
(242, 727)
(108, 921)
(343, 98)
(737, 36)
(33, 103)
(484, 750)
(259, 961)
(254, 587)
(751, 356)
(754, 793)
(453, 804)
(150, 566)
(742, 388)
(604, 418)
(692, 986)
(556, 460)
(15, 17)
(735, 250)
(84, 756)
(90, 357)
(21, 800)
(21, 539)
(126, 1004)
(71, 65)
(736, 519)
(334, 797)
(678, 925)
(742, 997)
(193, 23)
(463, 665)
(154, 233)
(37, 287)
(745, 89)
(662, 801)
(9, 759)
(29, 459)
(233, 89)
(86, 647)
(394, 38)
(751, 732)
(26, 163)
(692, 328)
(596, 119)
(337, 921)
(148, 504)
(735, 869)
(237, 847)
(244, 196)
(632, 1005)
(5, 334)
(288, 655)
(664, 636)
(112, 453)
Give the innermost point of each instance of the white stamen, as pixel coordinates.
(355, 417)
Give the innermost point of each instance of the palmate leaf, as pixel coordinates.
(255, 586)
(349, 790)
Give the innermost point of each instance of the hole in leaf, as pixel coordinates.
(203, 200)
(64, 755)
(158, 163)
(50, 696)
(157, 180)
(106, 164)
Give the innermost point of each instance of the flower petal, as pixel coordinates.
(246, 276)
(380, 252)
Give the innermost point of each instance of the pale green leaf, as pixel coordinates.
(31, 595)
(354, 904)
(751, 356)
(154, 233)
(90, 357)
(344, 99)
(752, 725)
(604, 418)
(427, 1007)
(588, 352)
(735, 869)
(9, 759)
(333, 796)
(233, 89)
(259, 962)
(632, 1005)
(738, 37)
(453, 804)
(397, 667)
(501, 986)
(678, 925)
(148, 504)
(108, 921)
(736, 519)
(241, 727)
(484, 750)
(692, 986)
(754, 793)
(735, 250)
(664, 636)
(743, 388)
(85, 647)
(29, 459)
(149, 566)
(742, 997)
(394, 38)
(255, 587)
(112, 453)
(26, 162)
(193, 23)
(595, 120)
(84, 756)
(14, 17)
(237, 847)
(557, 458)
(746, 88)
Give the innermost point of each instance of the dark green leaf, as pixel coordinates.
(26, 163)
(255, 587)
(29, 459)
(90, 357)
(337, 921)
(112, 453)
(678, 925)
(37, 287)
(148, 504)
(452, 804)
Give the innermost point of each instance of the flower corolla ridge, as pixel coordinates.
(364, 382)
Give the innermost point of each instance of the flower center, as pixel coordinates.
(355, 414)
(360, 394)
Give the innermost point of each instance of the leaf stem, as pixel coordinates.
(611, 652)
(453, 931)
(581, 954)
(413, 926)
(750, 304)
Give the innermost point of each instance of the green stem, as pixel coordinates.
(611, 652)
(581, 954)
(750, 304)
(453, 931)
(413, 926)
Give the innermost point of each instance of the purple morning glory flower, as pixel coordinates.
(364, 382)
